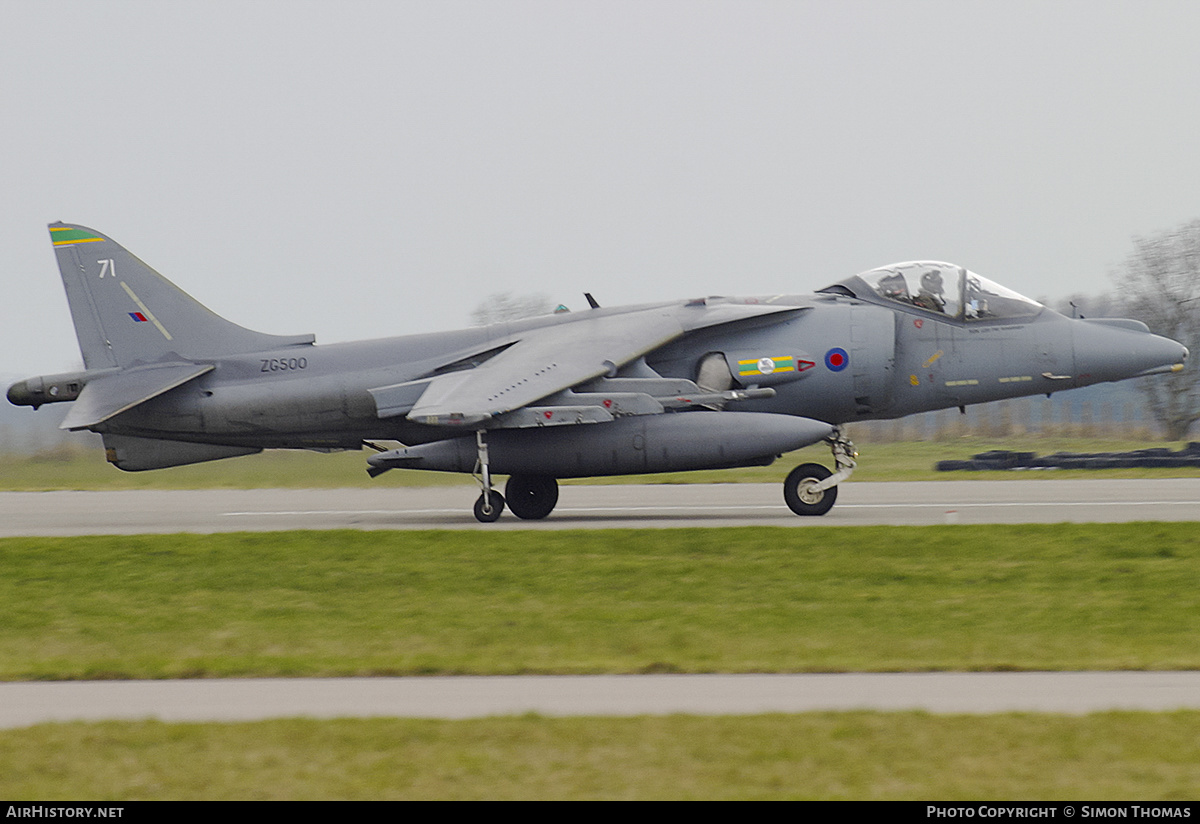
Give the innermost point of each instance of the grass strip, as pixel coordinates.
(1108, 756)
(820, 599)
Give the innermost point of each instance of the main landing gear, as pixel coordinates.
(811, 489)
(530, 497)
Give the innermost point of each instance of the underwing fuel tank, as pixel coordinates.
(645, 443)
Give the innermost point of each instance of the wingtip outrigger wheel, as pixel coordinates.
(490, 503)
(811, 489)
(488, 507)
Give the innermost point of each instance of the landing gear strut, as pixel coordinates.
(490, 503)
(811, 489)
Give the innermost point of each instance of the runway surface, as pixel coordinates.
(597, 507)
(22, 704)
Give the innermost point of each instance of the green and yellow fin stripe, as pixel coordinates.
(67, 235)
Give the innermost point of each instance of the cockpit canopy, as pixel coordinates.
(941, 289)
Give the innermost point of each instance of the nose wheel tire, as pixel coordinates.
(797, 491)
(531, 497)
(489, 513)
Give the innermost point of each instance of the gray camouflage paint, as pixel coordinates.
(602, 391)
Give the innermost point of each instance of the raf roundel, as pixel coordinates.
(836, 359)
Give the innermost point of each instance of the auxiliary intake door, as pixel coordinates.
(873, 357)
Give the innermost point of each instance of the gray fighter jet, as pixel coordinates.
(696, 384)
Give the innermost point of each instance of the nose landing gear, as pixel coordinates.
(811, 489)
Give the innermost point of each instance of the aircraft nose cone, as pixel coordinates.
(1173, 352)
(1113, 350)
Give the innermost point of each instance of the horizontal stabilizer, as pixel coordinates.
(111, 395)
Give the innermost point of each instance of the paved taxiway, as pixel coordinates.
(593, 507)
(22, 704)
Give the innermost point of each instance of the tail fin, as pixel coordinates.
(126, 313)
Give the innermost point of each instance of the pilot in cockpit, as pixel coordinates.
(932, 293)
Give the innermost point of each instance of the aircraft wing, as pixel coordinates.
(110, 395)
(553, 358)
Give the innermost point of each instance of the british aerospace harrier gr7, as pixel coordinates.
(693, 384)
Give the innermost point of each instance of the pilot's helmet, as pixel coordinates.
(932, 282)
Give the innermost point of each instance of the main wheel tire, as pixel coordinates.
(493, 512)
(531, 497)
(797, 496)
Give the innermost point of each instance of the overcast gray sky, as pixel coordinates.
(360, 169)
